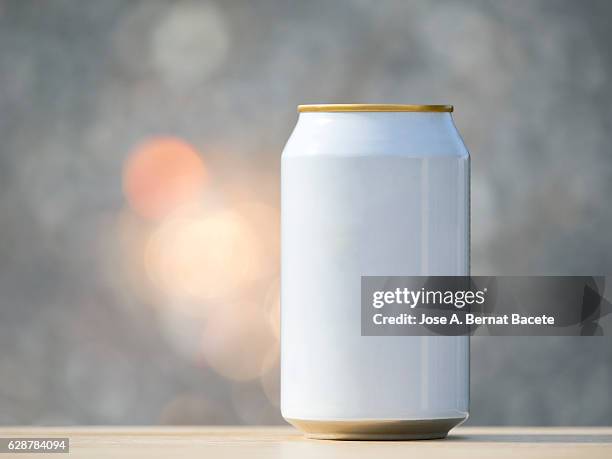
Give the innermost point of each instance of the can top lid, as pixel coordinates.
(373, 108)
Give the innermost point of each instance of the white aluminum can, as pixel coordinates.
(370, 190)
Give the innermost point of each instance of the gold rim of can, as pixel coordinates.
(374, 108)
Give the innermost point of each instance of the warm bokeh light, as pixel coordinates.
(238, 341)
(206, 257)
(161, 175)
(264, 222)
(210, 263)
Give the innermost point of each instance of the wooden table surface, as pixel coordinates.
(285, 442)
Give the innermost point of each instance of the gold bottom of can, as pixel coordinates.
(423, 429)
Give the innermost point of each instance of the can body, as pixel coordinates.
(370, 194)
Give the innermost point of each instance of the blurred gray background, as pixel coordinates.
(107, 318)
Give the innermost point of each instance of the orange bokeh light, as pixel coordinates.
(162, 175)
